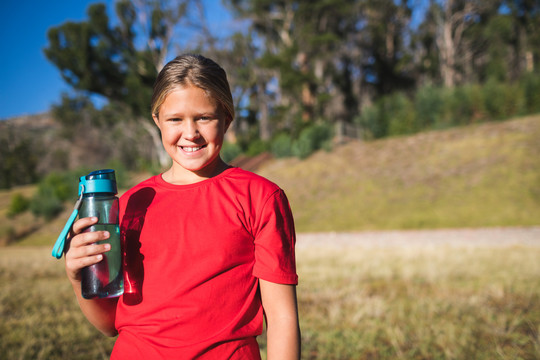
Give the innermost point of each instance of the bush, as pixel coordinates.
(19, 204)
(281, 146)
(429, 107)
(369, 121)
(401, 116)
(311, 139)
(257, 147)
(45, 204)
(502, 100)
(230, 151)
(52, 192)
(467, 105)
(530, 85)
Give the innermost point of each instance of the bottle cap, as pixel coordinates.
(99, 181)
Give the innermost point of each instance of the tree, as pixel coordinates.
(388, 63)
(119, 62)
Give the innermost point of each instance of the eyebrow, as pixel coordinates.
(198, 114)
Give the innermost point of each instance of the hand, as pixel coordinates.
(82, 248)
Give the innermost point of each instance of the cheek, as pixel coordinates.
(169, 135)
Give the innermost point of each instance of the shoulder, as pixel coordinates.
(241, 175)
(249, 188)
(149, 183)
(249, 180)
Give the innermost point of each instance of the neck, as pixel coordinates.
(179, 176)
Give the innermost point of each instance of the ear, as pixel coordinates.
(156, 120)
(228, 121)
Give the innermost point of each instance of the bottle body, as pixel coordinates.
(104, 279)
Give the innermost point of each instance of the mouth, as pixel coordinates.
(192, 149)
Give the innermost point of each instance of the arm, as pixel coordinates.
(82, 251)
(281, 310)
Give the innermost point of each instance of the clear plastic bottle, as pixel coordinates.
(104, 279)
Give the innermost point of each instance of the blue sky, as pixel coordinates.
(29, 83)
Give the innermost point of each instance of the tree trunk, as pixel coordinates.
(163, 158)
(447, 46)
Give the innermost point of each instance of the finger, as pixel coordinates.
(88, 238)
(83, 223)
(84, 256)
(74, 266)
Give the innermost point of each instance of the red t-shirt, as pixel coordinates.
(193, 255)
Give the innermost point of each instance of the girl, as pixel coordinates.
(208, 248)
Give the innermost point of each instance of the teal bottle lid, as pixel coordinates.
(99, 181)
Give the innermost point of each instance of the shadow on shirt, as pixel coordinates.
(131, 227)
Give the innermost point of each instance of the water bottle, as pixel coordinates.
(104, 279)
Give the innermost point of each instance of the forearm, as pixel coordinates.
(101, 313)
(283, 337)
(283, 332)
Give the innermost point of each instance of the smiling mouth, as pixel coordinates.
(192, 148)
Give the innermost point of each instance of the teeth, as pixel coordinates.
(191, 149)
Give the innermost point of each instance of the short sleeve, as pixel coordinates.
(275, 241)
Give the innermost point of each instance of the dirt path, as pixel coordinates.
(523, 236)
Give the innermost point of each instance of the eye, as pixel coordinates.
(175, 119)
(205, 118)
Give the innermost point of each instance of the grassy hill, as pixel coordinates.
(475, 176)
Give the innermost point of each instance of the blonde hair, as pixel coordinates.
(193, 70)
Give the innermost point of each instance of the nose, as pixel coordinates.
(191, 130)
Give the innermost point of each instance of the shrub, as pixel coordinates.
(311, 139)
(46, 204)
(502, 100)
(257, 147)
(401, 116)
(52, 191)
(530, 85)
(369, 121)
(19, 204)
(281, 146)
(429, 107)
(467, 105)
(230, 151)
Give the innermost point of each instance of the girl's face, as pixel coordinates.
(192, 127)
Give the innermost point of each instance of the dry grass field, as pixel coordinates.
(451, 294)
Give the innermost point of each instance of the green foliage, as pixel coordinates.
(257, 147)
(429, 106)
(18, 160)
(438, 108)
(281, 145)
(467, 104)
(45, 204)
(400, 113)
(52, 192)
(19, 204)
(530, 83)
(95, 56)
(502, 100)
(311, 139)
(230, 151)
(370, 120)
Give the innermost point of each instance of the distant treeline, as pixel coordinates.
(301, 71)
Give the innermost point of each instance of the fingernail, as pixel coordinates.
(106, 234)
(99, 257)
(107, 246)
